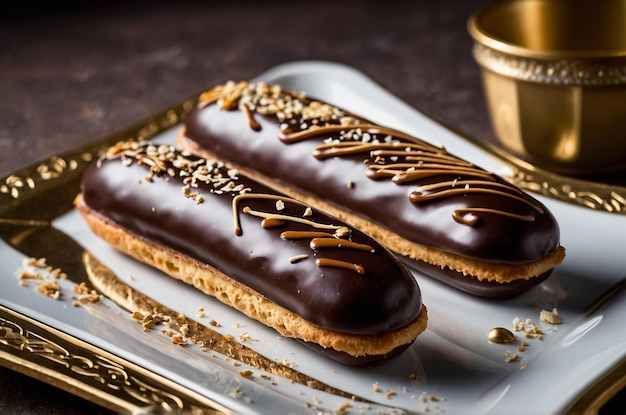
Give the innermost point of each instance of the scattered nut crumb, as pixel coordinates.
(511, 357)
(343, 408)
(247, 373)
(85, 295)
(137, 315)
(214, 323)
(28, 275)
(50, 289)
(236, 393)
(37, 263)
(92, 297)
(179, 340)
(184, 330)
(522, 346)
(551, 317)
(57, 273)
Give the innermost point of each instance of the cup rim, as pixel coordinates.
(482, 36)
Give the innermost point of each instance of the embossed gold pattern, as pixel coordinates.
(60, 359)
(60, 166)
(46, 354)
(556, 72)
(593, 195)
(556, 93)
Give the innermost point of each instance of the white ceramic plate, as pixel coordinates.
(451, 368)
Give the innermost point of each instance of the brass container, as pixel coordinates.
(554, 75)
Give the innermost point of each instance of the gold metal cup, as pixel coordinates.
(554, 75)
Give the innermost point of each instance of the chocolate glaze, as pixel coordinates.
(365, 360)
(200, 222)
(488, 289)
(442, 202)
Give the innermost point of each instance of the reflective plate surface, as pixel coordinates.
(451, 368)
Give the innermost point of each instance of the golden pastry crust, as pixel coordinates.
(232, 293)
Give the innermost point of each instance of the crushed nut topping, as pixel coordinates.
(194, 170)
(247, 374)
(389, 153)
(166, 160)
(551, 317)
(50, 289)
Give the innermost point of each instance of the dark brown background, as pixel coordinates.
(71, 73)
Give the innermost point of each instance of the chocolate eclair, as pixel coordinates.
(450, 219)
(277, 260)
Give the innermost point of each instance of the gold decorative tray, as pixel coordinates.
(137, 347)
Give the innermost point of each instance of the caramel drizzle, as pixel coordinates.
(319, 239)
(162, 157)
(278, 217)
(421, 161)
(228, 96)
(292, 235)
(303, 119)
(461, 215)
(329, 262)
(271, 216)
(405, 173)
(314, 131)
(298, 258)
(321, 243)
(251, 121)
(444, 189)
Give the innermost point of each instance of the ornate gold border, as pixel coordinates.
(59, 359)
(41, 352)
(567, 72)
(36, 177)
(593, 195)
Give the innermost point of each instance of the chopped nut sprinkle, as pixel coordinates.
(28, 275)
(551, 317)
(50, 289)
(179, 340)
(37, 262)
(511, 357)
(247, 373)
(214, 323)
